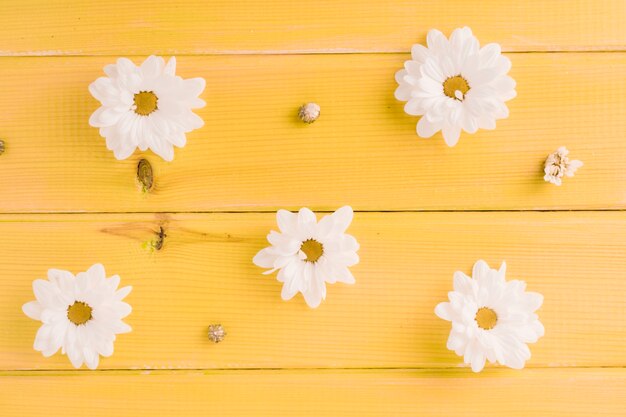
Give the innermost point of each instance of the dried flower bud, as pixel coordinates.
(1, 147)
(309, 112)
(216, 333)
(559, 165)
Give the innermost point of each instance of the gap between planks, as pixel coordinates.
(347, 370)
(294, 209)
(43, 54)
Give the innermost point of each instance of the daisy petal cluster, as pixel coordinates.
(455, 85)
(81, 314)
(492, 319)
(146, 107)
(559, 165)
(308, 254)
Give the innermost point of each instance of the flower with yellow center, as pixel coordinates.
(146, 107)
(492, 319)
(81, 314)
(309, 254)
(455, 85)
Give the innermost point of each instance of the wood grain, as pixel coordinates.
(77, 27)
(203, 274)
(253, 154)
(537, 393)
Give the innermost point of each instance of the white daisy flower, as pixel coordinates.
(146, 107)
(454, 84)
(492, 319)
(558, 165)
(308, 254)
(80, 314)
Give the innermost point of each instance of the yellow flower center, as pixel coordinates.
(456, 87)
(312, 249)
(486, 318)
(145, 102)
(79, 313)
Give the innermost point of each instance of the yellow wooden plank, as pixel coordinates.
(537, 393)
(204, 274)
(253, 153)
(40, 27)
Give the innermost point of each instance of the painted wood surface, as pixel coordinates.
(495, 393)
(253, 154)
(204, 274)
(78, 27)
(425, 210)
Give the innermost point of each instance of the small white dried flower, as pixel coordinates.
(309, 112)
(559, 165)
(216, 333)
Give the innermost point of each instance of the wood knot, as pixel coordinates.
(145, 175)
(156, 243)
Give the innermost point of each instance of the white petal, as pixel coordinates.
(451, 134)
(123, 292)
(265, 258)
(178, 139)
(444, 311)
(489, 54)
(194, 86)
(106, 349)
(122, 153)
(463, 283)
(403, 92)
(342, 219)
(164, 149)
(456, 342)
(288, 291)
(432, 81)
(306, 223)
(315, 294)
(283, 244)
(419, 53)
(480, 269)
(76, 357)
(170, 67)
(122, 327)
(33, 310)
(97, 272)
(502, 271)
(415, 106)
(478, 361)
(91, 358)
(504, 87)
(43, 338)
(436, 40)
(45, 293)
(426, 129)
(287, 222)
(191, 121)
(469, 123)
(344, 275)
(533, 300)
(152, 67)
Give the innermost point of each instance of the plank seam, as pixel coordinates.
(4, 54)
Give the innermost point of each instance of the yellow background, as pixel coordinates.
(423, 210)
